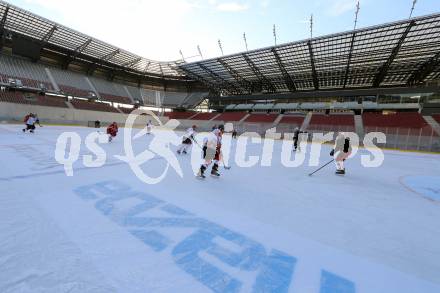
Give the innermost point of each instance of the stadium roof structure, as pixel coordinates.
(397, 54)
(22, 22)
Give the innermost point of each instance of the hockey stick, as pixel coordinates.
(321, 167)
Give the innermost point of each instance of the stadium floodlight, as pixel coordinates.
(311, 26)
(356, 14)
(275, 34)
(412, 8)
(220, 46)
(181, 54)
(245, 41)
(200, 51)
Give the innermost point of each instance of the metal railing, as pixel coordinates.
(417, 139)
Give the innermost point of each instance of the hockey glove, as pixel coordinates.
(332, 153)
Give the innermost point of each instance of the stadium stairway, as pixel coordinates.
(128, 93)
(92, 86)
(195, 114)
(244, 118)
(306, 121)
(359, 125)
(69, 104)
(277, 121)
(52, 80)
(433, 123)
(215, 117)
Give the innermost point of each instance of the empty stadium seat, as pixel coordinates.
(204, 116)
(409, 123)
(231, 116)
(110, 91)
(194, 99)
(244, 106)
(436, 117)
(93, 106)
(179, 115)
(173, 98)
(30, 74)
(126, 110)
(332, 122)
(20, 98)
(285, 106)
(13, 97)
(71, 82)
(261, 118)
(268, 106)
(292, 119)
(135, 92)
(76, 92)
(115, 99)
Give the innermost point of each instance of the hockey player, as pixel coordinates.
(212, 152)
(296, 139)
(234, 134)
(187, 139)
(112, 131)
(341, 151)
(30, 123)
(149, 126)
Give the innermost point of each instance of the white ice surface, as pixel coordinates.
(374, 227)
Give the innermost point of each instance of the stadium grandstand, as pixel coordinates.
(382, 78)
(309, 166)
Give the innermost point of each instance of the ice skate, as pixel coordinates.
(215, 173)
(201, 172)
(340, 172)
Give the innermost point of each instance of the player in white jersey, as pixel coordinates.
(187, 139)
(30, 123)
(212, 151)
(149, 126)
(341, 151)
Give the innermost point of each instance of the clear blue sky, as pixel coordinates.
(158, 29)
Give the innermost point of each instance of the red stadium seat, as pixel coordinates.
(20, 98)
(261, 118)
(204, 116)
(115, 99)
(231, 116)
(75, 91)
(93, 106)
(409, 123)
(292, 119)
(179, 115)
(332, 122)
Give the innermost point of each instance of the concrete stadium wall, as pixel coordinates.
(16, 113)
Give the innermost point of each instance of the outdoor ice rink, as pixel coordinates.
(258, 229)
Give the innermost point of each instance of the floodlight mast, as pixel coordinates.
(181, 54)
(200, 52)
(220, 46)
(412, 8)
(245, 41)
(311, 26)
(275, 34)
(356, 14)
